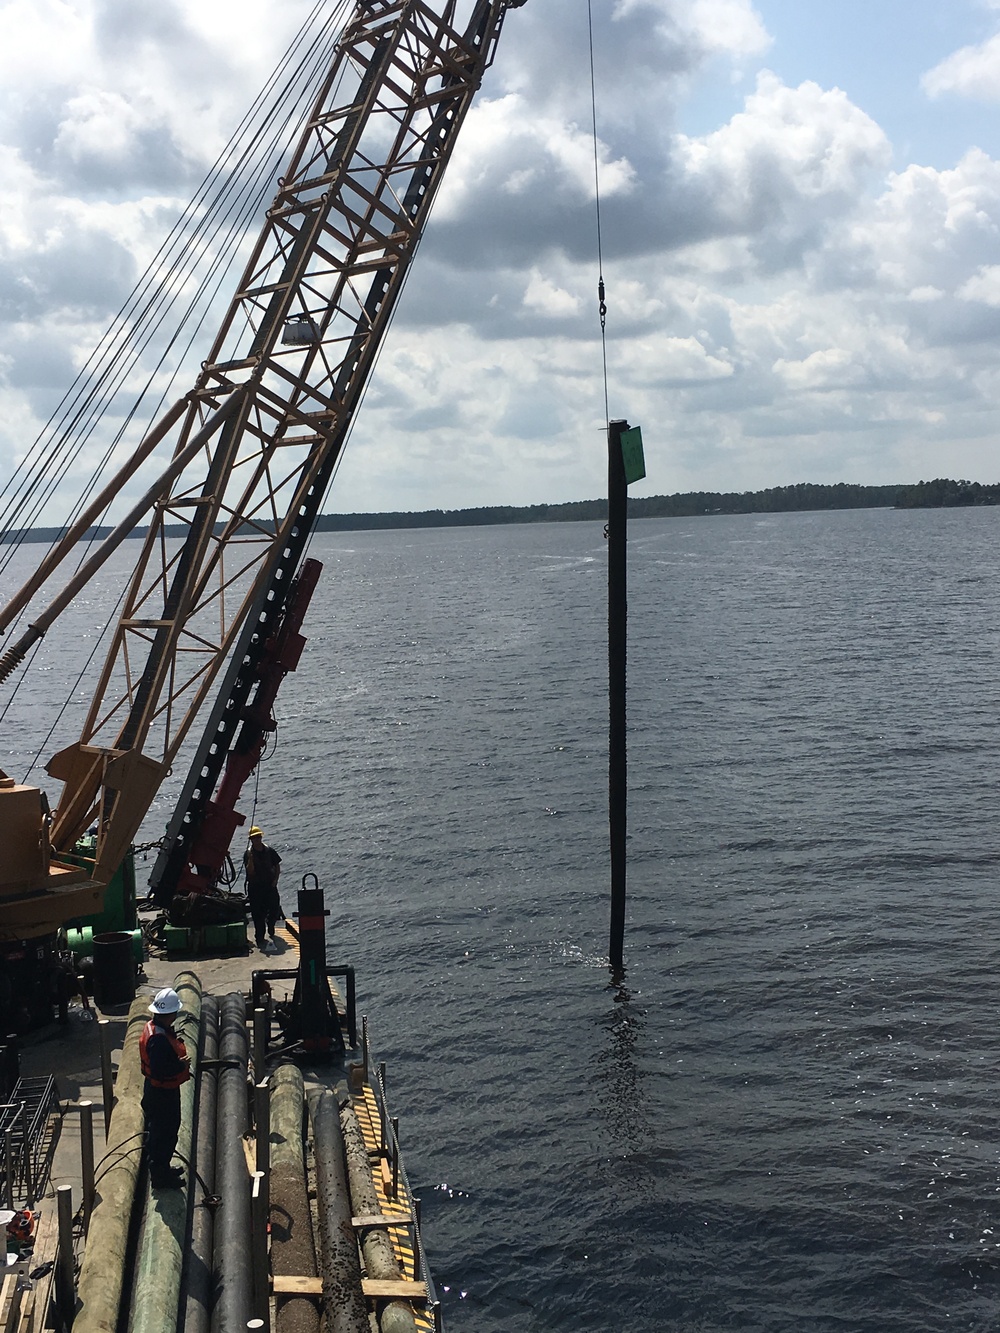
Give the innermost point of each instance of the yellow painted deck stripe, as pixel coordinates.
(371, 1128)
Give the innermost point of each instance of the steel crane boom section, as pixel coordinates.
(291, 358)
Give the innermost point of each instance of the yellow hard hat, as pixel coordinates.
(256, 832)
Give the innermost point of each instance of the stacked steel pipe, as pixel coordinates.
(102, 1274)
(293, 1251)
(232, 1270)
(380, 1258)
(193, 1270)
(197, 1283)
(345, 1305)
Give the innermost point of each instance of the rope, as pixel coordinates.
(601, 306)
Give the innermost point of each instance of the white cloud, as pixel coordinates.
(670, 362)
(983, 286)
(927, 293)
(781, 306)
(928, 228)
(98, 126)
(972, 71)
(548, 299)
(789, 147)
(823, 369)
(505, 148)
(726, 27)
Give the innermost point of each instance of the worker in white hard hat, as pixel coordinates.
(165, 1066)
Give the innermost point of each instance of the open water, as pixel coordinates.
(787, 1118)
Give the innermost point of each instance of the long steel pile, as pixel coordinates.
(293, 1249)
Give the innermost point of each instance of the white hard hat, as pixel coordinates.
(167, 1002)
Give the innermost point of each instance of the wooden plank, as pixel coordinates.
(36, 1306)
(400, 1289)
(284, 1284)
(381, 1220)
(10, 1300)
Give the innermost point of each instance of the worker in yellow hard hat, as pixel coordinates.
(262, 865)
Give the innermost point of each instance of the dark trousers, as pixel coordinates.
(162, 1107)
(265, 908)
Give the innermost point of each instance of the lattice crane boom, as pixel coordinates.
(257, 440)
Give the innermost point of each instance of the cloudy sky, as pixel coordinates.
(801, 234)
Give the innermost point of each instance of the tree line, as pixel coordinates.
(684, 504)
(688, 504)
(943, 493)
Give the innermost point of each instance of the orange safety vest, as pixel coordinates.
(180, 1050)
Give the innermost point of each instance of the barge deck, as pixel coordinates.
(379, 1280)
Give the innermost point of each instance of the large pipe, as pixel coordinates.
(196, 1280)
(380, 1258)
(346, 1308)
(293, 1250)
(87, 1173)
(65, 1295)
(100, 1285)
(292, 1247)
(231, 1243)
(107, 1078)
(157, 1281)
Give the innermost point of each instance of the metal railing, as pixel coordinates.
(25, 1139)
(390, 1153)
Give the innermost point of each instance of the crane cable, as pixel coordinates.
(250, 154)
(106, 358)
(601, 304)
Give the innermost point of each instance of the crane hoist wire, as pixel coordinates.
(601, 304)
(71, 693)
(206, 240)
(192, 229)
(197, 233)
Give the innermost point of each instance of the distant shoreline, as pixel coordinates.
(941, 493)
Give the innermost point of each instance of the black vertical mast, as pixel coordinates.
(625, 465)
(617, 652)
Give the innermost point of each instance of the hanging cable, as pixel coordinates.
(246, 172)
(76, 684)
(232, 166)
(209, 229)
(601, 305)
